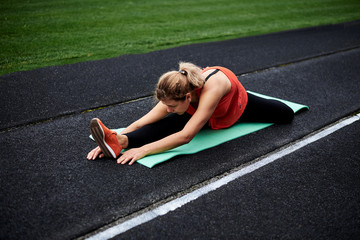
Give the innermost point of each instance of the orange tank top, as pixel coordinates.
(230, 107)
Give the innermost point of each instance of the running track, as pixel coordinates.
(50, 191)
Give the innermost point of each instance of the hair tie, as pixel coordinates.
(182, 72)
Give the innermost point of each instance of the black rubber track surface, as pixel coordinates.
(50, 191)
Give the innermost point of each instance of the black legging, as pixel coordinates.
(257, 110)
(266, 111)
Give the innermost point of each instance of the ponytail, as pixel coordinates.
(193, 74)
(176, 84)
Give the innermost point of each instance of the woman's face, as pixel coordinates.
(178, 107)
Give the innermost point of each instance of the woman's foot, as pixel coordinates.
(105, 138)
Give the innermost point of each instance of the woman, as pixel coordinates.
(189, 100)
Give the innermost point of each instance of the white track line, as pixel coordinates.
(177, 203)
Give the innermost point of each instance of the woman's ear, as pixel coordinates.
(188, 97)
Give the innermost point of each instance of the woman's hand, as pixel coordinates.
(131, 155)
(96, 152)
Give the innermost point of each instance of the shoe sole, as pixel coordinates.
(99, 136)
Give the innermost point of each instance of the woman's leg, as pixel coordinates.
(158, 130)
(266, 110)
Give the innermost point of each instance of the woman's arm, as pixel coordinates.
(209, 99)
(155, 114)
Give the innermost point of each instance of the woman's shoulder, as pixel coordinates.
(217, 82)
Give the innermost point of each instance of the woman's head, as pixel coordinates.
(174, 85)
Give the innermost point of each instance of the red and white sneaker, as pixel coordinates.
(105, 138)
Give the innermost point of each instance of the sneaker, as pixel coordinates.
(105, 138)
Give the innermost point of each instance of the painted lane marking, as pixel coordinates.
(179, 202)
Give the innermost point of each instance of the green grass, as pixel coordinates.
(38, 33)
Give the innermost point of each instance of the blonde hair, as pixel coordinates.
(176, 84)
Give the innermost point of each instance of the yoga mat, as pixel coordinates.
(208, 138)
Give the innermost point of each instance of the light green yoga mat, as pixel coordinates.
(208, 138)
